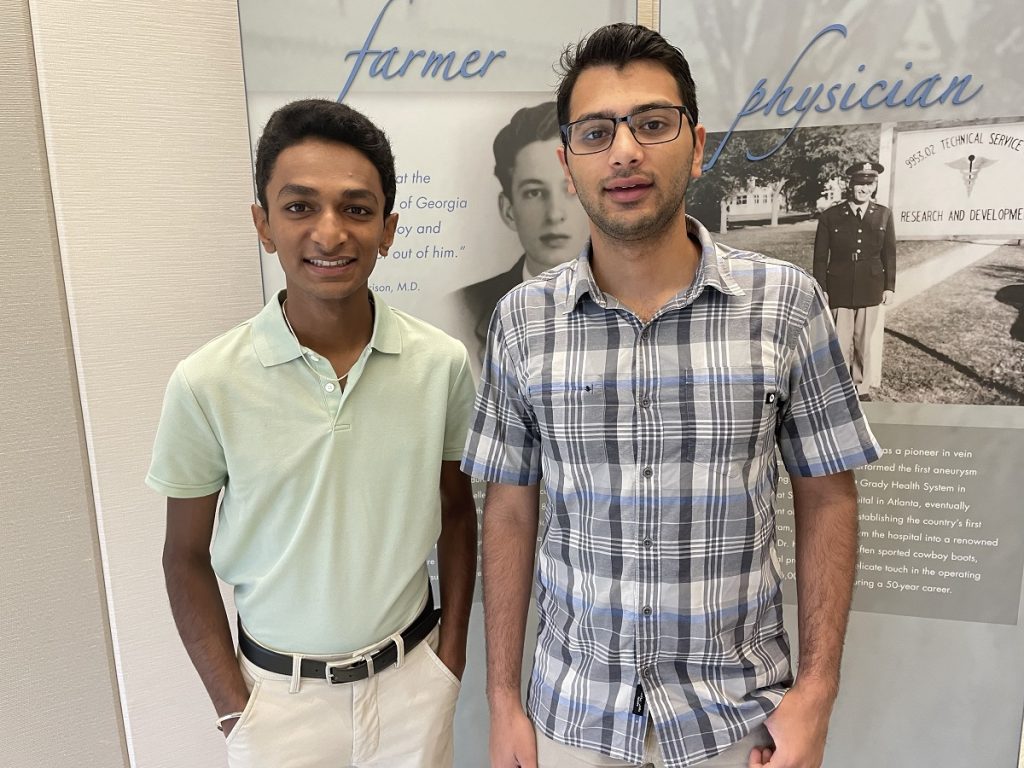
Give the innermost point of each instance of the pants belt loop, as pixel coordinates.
(400, 647)
(296, 674)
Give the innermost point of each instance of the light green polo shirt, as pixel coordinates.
(325, 525)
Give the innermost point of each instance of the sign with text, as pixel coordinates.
(960, 181)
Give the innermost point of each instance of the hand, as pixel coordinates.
(513, 740)
(229, 725)
(452, 655)
(240, 702)
(798, 727)
(887, 296)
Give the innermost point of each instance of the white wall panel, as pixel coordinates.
(58, 697)
(144, 114)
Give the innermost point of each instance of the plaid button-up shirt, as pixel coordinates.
(657, 445)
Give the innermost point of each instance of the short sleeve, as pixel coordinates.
(821, 430)
(188, 459)
(460, 409)
(503, 444)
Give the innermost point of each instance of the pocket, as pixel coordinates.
(250, 703)
(734, 418)
(447, 674)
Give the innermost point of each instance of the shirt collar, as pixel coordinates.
(275, 344)
(712, 272)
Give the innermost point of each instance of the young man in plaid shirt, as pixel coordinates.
(649, 384)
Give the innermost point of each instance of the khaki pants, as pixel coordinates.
(401, 717)
(861, 333)
(551, 754)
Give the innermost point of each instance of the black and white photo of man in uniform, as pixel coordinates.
(855, 264)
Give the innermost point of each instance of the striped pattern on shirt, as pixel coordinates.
(656, 443)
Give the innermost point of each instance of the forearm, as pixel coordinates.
(203, 626)
(509, 548)
(826, 557)
(456, 565)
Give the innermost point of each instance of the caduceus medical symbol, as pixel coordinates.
(969, 168)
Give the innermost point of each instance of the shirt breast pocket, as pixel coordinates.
(735, 415)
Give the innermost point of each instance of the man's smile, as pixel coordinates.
(330, 264)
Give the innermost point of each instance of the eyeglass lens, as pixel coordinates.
(649, 126)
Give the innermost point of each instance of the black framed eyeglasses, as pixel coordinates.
(654, 125)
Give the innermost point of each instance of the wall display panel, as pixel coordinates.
(445, 80)
(915, 103)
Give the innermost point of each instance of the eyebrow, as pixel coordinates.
(359, 193)
(530, 180)
(633, 110)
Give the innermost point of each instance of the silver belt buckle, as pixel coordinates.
(329, 667)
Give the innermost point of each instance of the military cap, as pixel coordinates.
(866, 171)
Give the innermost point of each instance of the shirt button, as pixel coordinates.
(648, 543)
(648, 610)
(645, 334)
(645, 402)
(648, 472)
(314, 358)
(858, 241)
(646, 672)
(329, 386)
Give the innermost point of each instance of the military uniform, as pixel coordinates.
(855, 263)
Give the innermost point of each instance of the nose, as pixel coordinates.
(625, 149)
(328, 231)
(555, 209)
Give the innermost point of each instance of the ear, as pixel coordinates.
(570, 185)
(507, 211)
(699, 137)
(388, 236)
(259, 219)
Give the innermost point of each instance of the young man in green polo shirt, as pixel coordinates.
(329, 427)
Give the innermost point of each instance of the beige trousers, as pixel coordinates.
(861, 333)
(551, 754)
(402, 717)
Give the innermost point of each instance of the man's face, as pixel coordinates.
(862, 190)
(324, 219)
(546, 215)
(631, 191)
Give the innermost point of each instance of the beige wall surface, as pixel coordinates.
(58, 698)
(143, 107)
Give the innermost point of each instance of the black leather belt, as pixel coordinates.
(357, 668)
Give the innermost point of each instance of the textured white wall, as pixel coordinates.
(58, 700)
(143, 106)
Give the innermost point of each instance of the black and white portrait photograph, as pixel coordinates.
(534, 201)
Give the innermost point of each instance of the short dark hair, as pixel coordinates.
(529, 124)
(619, 45)
(324, 119)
